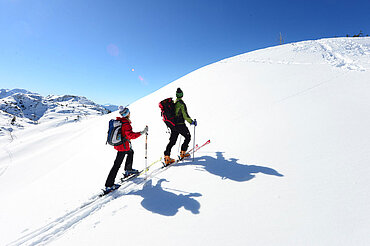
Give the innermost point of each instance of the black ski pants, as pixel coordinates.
(175, 131)
(117, 164)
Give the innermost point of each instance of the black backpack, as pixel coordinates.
(167, 107)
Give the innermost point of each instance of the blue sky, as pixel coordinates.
(117, 51)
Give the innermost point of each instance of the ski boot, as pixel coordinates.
(183, 154)
(131, 172)
(168, 160)
(111, 188)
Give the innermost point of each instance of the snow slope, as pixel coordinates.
(288, 163)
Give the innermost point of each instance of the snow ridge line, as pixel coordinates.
(341, 53)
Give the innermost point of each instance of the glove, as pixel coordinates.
(145, 131)
(195, 123)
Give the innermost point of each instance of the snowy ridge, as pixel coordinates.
(20, 108)
(6, 93)
(344, 53)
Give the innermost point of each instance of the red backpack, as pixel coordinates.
(167, 107)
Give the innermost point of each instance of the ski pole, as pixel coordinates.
(194, 140)
(178, 149)
(146, 153)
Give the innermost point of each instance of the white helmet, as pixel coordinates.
(123, 111)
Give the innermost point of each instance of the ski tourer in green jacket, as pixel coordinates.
(181, 112)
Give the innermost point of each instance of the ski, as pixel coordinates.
(147, 168)
(163, 168)
(132, 176)
(208, 142)
(129, 178)
(191, 151)
(196, 148)
(115, 187)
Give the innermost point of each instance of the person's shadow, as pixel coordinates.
(158, 200)
(230, 169)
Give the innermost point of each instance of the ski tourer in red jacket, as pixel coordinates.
(123, 150)
(126, 133)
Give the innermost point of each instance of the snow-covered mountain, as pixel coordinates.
(110, 107)
(6, 92)
(288, 162)
(20, 108)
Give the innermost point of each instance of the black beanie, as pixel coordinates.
(179, 93)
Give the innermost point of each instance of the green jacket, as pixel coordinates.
(181, 112)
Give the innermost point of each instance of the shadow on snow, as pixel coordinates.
(162, 201)
(230, 169)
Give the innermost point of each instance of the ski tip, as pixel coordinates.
(103, 193)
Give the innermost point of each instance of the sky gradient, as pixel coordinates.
(117, 51)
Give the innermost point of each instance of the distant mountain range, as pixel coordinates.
(19, 107)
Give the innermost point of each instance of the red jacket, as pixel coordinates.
(128, 133)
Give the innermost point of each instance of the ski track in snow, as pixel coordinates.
(310, 88)
(341, 60)
(3, 170)
(334, 54)
(61, 225)
(4, 167)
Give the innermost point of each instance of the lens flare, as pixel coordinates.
(112, 50)
(142, 80)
